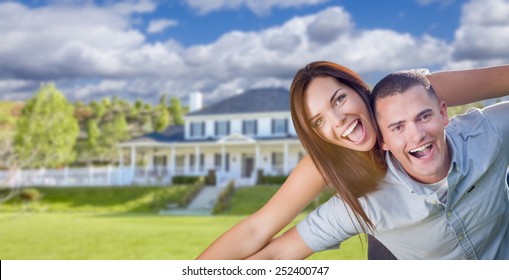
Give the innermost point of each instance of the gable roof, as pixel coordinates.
(251, 101)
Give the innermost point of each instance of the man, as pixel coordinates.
(444, 195)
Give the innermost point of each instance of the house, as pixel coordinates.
(235, 138)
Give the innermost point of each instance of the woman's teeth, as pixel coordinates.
(350, 129)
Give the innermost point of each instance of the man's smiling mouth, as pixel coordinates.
(422, 151)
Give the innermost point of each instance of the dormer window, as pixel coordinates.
(249, 127)
(279, 126)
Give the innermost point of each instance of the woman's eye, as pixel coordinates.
(318, 122)
(339, 99)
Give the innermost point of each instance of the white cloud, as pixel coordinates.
(484, 32)
(75, 45)
(159, 25)
(256, 6)
(63, 44)
(328, 25)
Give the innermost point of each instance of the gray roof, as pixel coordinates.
(251, 101)
(173, 133)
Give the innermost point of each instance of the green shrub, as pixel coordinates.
(133, 199)
(30, 195)
(195, 189)
(182, 179)
(273, 180)
(224, 198)
(211, 178)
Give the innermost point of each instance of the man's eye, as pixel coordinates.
(425, 117)
(396, 129)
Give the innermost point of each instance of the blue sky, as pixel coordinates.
(139, 49)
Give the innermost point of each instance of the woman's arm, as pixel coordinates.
(254, 232)
(288, 246)
(467, 86)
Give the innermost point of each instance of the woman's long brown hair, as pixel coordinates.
(351, 174)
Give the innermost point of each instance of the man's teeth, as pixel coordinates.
(421, 148)
(350, 129)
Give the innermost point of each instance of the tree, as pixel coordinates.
(146, 123)
(113, 132)
(161, 118)
(46, 130)
(98, 108)
(93, 134)
(176, 111)
(461, 109)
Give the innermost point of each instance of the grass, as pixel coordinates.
(247, 200)
(100, 199)
(69, 236)
(122, 224)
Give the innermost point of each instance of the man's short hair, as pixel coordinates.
(397, 83)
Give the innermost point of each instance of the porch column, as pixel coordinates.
(257, 151)
(223, 160)
(196, 159)
(286, 158)
(133, 163)
(172, 163)
(120, 167)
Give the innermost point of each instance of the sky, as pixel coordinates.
(141, 49)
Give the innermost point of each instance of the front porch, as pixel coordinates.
(234, 157)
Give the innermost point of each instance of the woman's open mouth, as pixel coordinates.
(355, 132)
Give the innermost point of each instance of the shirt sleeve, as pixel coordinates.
(497, 115)
(327, 226)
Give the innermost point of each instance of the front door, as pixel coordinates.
(247, 166)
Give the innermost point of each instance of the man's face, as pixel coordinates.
(412, 126)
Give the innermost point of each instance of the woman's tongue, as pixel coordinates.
(357, 133)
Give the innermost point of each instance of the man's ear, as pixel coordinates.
(443, 112)
(384, 146)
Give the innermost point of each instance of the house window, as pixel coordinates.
(222, 128)
(218, 161)
(180, 163)
(279, 126)
(249, 127)
(197, 129)
(160, 161)
(277, 163)
(192, 162)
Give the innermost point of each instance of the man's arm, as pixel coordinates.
(288, 246)
(460, 87)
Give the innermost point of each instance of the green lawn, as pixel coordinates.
(61, 236)
(122, 224)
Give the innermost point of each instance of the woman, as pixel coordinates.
(341, 143)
